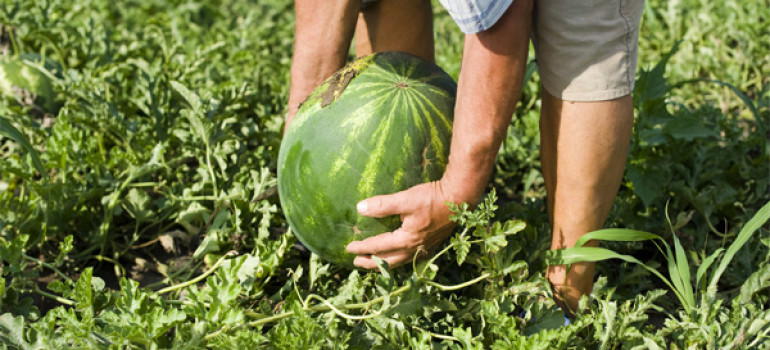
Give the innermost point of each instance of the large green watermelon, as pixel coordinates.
(380, 125)
(26, 73)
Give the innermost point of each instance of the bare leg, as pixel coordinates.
(396, 25)
(583, 155)
(323, 31)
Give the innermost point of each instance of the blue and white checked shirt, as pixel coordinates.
(474, 16)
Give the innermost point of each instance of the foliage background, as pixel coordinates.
(161, 159)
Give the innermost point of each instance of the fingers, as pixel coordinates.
(396, 248)
(393, 259)
(385, 205)
(385, 242)
(423, 226)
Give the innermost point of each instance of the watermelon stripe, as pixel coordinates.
(366, 187)
(435, 140)
(443, 116)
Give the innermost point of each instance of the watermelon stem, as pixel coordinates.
(338, 309)
(459, 286)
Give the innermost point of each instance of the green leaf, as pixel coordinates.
(138, 203)
(648, 183)
(759, 280)
(461, 246)
(12, 253)
(688, 128)
(552, 318)
(192, 98)
(591, 254)
(8, 130)
(515, 268)
(651, 84)
(193, 217)
(82, 293)
(58, 287)
(12, 331)
(675, 277)
(316, 270)
(583, 254)
(410, 303)
(683, 272)
(350, 289)
(761, 129)
(616, 235)
(65, 246)
(512, 227)
(385, 280)
(465, 335)
(202, 128)
(494, 243)
(704, 266)
(212, 243)
(250, 270)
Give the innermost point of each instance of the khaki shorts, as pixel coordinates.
(586, 50)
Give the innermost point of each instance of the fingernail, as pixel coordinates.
(362, 207)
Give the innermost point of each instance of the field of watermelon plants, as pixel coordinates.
(139, 210)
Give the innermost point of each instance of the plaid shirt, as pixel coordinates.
(474, 16)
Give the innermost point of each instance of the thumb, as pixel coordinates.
(384, 205)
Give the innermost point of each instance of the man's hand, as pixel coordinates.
(425, 224)
(487, 92)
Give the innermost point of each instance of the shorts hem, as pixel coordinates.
(590, 96)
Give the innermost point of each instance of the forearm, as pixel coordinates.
(489, 88)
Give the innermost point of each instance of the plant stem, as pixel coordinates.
(176, 273)
(458, 286)
(211, 170)
(196, 279)
(64, 301)
(329, 307)
(47, 265)
(436, 335)
(12, 36)
(321, 308)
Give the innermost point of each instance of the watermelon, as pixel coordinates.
(26, 73)
(379, 125)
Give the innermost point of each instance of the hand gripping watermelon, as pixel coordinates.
(379, 125)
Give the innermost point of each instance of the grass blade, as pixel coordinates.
(704, 266)
(592, 254)
(682, 271)
(616, 235)
(676, 278)
(759, 219)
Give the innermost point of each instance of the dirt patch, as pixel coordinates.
(337, 84)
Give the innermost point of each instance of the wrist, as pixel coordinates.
(459, 185)
(470, 165)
